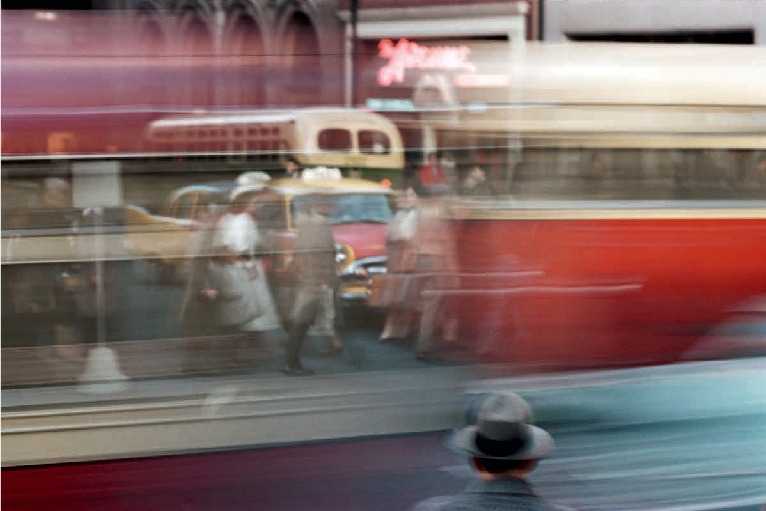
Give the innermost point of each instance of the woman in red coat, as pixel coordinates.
(431, 172)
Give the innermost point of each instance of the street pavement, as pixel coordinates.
(679, 438)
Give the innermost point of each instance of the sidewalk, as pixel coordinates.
(147, 362)
(390, 394)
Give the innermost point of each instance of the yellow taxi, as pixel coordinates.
(359, 214)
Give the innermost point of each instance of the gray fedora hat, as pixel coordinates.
(502, 431)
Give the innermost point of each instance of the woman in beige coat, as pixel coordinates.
(401, 262)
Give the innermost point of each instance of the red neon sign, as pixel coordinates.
(408, 55)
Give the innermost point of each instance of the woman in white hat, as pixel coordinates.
(237, 235)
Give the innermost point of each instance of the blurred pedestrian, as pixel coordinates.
(77, 307)
(431, 172)
(236, 229)
(504, 448)
(237, 232)
(402, 230)
(292, 168)
(232, 288)
(315, 273)
(325, 324)
(475, 183)
(68, 279)
(436, 270)
(197, 314)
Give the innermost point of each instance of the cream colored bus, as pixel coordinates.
(360, 143)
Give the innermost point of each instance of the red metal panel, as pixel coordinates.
(610, 292)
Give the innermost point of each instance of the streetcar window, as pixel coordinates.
(374, 142)
(616, 173)
(333, 139)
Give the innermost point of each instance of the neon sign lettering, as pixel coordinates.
(408, 55)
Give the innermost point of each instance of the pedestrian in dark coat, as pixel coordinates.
(316, 273)
(504, 449)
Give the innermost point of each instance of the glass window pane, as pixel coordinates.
(334, 140)
(374, 142)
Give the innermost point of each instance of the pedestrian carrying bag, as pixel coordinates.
(237, 301)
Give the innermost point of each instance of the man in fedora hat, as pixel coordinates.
(504, 448)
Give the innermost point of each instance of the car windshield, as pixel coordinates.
(354, 208)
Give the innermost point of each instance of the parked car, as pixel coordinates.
(360, 213)
(162, 239)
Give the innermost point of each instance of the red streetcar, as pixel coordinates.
(626, 215)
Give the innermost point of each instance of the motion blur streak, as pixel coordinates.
(677, 437)
(370, 474)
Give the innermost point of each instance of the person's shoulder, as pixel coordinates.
(441, 503)
(242, 219)
(224, 221)
(467, 501)
(304, 221)
(546, 505)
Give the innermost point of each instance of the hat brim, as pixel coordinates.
(244, 189)
(539, 445)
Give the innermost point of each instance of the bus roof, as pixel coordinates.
(341, 116)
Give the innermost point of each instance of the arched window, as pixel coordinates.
(156, 78)
(302, 56)
(199, 62)
(244, 62)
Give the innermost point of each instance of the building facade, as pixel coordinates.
(137, 59)
(669, 21)
(143, 58)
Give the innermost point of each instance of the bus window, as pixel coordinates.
(619, 173)
(334, 139)
(374, 142)
(247, 141)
